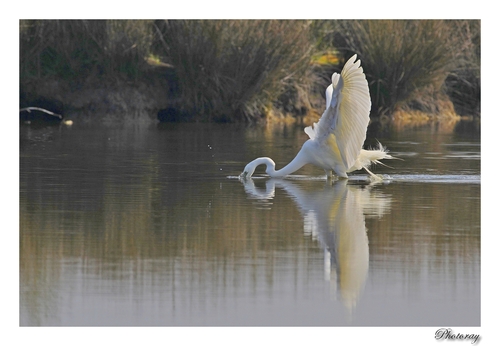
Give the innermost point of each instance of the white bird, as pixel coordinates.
(335, 142)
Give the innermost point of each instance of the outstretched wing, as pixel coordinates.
(348, 112)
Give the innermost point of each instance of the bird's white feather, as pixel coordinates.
(328, 95)
(347, 114)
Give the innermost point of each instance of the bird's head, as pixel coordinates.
(250, 167)
(248, 171)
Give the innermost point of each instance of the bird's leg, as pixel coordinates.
(373, 177)
(329, 174)
(331, 177)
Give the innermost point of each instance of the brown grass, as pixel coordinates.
(406, 61)
(234, 69)
(253, 70)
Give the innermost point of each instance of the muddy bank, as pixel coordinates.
(154, 97)
(155, 101)
(95, 98)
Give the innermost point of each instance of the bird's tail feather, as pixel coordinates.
(368, 157)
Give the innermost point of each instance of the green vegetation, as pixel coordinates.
(229, 70)
(80, 49)
(408, 63)
(233, 70)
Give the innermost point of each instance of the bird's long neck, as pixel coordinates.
(299, 161)
(293, 166)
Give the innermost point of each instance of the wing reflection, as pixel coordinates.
(335, 216)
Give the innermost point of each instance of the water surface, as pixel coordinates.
(149, 225)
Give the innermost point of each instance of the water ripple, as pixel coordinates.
(434, 178)
(412, 178)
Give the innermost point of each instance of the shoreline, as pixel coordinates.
(124, 99)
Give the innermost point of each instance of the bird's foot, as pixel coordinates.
(376, 178)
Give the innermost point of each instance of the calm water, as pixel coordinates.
(149, 225)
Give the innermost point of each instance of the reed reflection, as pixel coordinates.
(334, 215)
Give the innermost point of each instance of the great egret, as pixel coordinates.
(335, 142)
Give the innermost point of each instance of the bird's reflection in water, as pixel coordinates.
(334, 215)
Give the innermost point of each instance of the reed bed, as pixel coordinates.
(407, 62)
(234, 70)
(250, 70)
(79, 49)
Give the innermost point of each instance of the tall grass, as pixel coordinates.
(241, 70)
(78, 49)
(463, 84)
(235, 69)
(406, 61)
